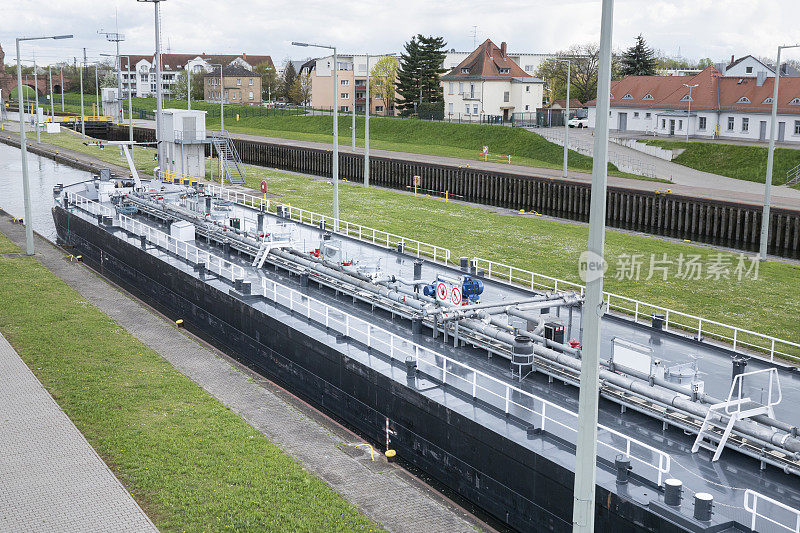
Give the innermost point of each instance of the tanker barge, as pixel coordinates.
(470, 379)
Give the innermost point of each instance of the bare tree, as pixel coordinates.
(382, 82)
(584, 60)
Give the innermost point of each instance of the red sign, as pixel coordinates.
(441, 291)
(263, 185)
(455, 296)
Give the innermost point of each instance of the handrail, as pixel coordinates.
(751, 499)
(169, 243)
(466, 379)
(793, 175)
(737, 336)
(364, 233)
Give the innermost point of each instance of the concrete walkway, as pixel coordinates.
(51, 479)
(383, 491)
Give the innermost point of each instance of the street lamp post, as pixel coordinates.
(770, 153)
(36, 98)
(96, 91)
(221, 126)
(50, 77)
(26, 189)
(62, 88)
(689, 112)
(115, 37)
(583, 510)
(566, 113)
(130, 96)
(83, 113)
(159, 104)
(335, 165)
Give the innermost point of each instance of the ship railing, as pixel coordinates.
(182, 249)
(364, 233)
(702, 329)
(545, 416)
(763, 509)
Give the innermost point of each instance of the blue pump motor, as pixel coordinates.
(429, 290)
(471, 288)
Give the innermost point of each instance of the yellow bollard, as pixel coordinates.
(415, 190)
(446, 196)
(237, 117)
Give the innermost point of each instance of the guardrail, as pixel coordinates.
(534, 410)
(364, 233)
(184, 250)
(788, 518)
(642, 311)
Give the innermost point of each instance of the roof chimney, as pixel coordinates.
(503, 49)
(244, 56)
(733, 58)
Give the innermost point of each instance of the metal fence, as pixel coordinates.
(772, 512)
(499, 395)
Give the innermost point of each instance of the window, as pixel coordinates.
(749, 70)
(379, 108)
(504, 70)
(460, 88)
(527, 107)
(701, 121)
(238, 81)
(527, 88)
(680, 125)
(506, 96)
(647, 115)
(663, 123)
(648, 96)
(767, 100)
(687, 98)
(797, 127)
(251, 95)
(529, 68)
(730, 123)
(450, 88)
(467, 106)
(745, 125)
(743, 100)
(465, 71)
(628, 96)
(344, 108)
(635, 114)
(449, 107)
(251, 81)
(795, 101)
(475, 109)
(345, 82)
(345, 96)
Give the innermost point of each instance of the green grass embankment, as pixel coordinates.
(190, 462)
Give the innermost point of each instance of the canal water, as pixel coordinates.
(44, 174)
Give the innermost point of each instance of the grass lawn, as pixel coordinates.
(191, 463)
(734, 160)
(463, 141)
(766, 305)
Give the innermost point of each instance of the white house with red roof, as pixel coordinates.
(488, 85)
(733, 107)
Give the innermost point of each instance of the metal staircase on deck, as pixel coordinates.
(226, 151)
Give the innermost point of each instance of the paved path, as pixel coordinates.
(384, 492)
(51, 479)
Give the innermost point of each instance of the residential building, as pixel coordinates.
(351, 84)
(750, 66)
(489, 85)
(238, 85)
(142, 77)
(723, 107)
(528, 61)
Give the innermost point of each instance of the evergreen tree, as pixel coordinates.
(638, 60)
(420, 68)
(289, 77)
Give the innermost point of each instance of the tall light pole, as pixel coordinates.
(26, 188)
(188, 88)
(593, 309)
(566, 113)
(130, 95)
(50, 77)
(335, 162)
(770, 153)
(83, 113)
(354, 103)
(221, 124)
(366, 124)
(96, 90)
(159, 108)
(62, 88)
(689, 112)
(116, 38)
(36, 97)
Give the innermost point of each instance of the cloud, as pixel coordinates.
(696, 28)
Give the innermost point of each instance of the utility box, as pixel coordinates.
(554, 331)
(182, 230)
(111, 103)
(183, 133)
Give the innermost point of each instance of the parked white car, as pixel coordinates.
(578, 122)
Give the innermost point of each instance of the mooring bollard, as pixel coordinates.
(703, 506)
(673, 492)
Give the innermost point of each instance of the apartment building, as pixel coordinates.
(237, 86)
(139, 73)
(351, 87)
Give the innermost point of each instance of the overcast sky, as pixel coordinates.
(695, 28)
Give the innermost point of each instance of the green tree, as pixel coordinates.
(583, 73)
(638, 60)
(109, 80)
(382, 81)
(269, 81)
(420, 68)
(181, 85)
(300, 93)
(289, 76)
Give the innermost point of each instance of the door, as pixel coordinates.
(762, 130)
(623, 121)
(781, 131)
(505, 115)
(672, 126)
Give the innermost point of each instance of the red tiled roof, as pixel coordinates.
(485, 62)
(713, 92)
